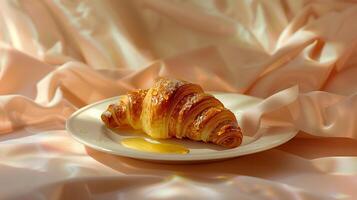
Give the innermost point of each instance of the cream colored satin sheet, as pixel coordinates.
(299, 56)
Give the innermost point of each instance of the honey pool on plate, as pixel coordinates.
(153, 146)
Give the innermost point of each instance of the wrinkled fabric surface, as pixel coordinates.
(298, 56)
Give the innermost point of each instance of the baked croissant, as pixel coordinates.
(175, 109)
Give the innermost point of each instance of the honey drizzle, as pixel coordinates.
(153, 146)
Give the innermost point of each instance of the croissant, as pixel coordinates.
(175, 109)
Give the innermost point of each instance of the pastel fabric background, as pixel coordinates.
(299, 56)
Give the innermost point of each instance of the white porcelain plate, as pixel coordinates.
(86, 127)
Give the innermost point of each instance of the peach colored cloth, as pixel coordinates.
(299, 56)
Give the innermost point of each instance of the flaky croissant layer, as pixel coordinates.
(174, 108)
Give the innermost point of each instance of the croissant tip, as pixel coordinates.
(107, 118)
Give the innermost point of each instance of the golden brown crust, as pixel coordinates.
(162, 92)
(114, 116)
(173, 119)
(136, 99)
(173, 108)
(195, 129)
